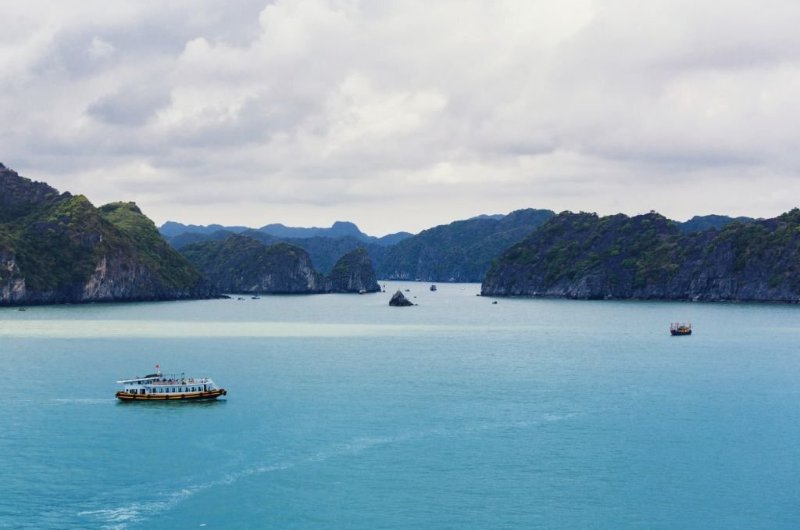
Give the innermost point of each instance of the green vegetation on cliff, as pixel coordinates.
(242, 264)
(353, 273)
(58, 248)
(174, 270)
(461, 251)
(649, 257)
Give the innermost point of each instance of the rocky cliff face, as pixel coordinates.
(647, 257)
(19, 195)
(461, 251)
(353, 273)
(242, 264)
(12, 283)
(58, 248)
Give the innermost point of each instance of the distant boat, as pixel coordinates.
(362, 291)
(433, 287)
(680, 328)
(255, 297)
(158, 387)
(22, 309)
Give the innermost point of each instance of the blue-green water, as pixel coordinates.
(345, 413)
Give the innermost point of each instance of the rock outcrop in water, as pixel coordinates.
(648, 257)
(399, 300)
(59, 248)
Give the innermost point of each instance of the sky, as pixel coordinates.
(405, 115)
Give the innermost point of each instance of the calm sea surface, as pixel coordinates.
(345, 413)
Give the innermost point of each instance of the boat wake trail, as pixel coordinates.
(83, 401)
(119, 518)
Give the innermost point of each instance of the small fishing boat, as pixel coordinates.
(433, 287)
(680, 328)
(162, 387)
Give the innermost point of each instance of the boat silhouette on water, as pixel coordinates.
(678, 329)
(162, 387)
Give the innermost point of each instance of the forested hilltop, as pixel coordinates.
(57, 248)
(242, 264)
(461, 251)
(649, 257)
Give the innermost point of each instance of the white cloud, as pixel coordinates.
(100, 49)
(307, 111)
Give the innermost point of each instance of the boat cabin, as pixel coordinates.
(158, 386)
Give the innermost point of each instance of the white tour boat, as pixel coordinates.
(160, 387)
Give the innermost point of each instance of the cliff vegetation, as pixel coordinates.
(57, 247)
(649, 257)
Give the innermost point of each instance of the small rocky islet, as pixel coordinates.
(398, 299)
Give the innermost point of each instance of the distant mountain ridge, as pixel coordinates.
(461, 251)
(171, 229)
(699, 223)
(338, 229)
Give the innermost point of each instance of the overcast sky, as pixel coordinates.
(403, 115)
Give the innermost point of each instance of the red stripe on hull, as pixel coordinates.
(195, 396)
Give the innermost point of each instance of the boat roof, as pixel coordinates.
(137, 379)
(171, 377)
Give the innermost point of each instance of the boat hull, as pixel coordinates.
(678, 333)
(189, 396)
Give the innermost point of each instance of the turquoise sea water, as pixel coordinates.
(345, 413)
